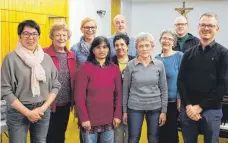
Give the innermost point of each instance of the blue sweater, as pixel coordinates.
(172, 66)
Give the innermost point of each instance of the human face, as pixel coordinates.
(121, 48)
(167, 41)
(120, 24)
(60, 38)
(29, 38)
(144, 48)
(181, 26)
(208, 27)
(89, 30)
(101, 51)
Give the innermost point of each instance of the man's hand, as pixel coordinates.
(125, 118)
(116, 122)
(193, 112)
(162, 119)
(33, 116)
(86, 125)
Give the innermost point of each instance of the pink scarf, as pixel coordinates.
(33, 61)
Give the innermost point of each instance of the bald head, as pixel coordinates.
(181, 26)
(120, 24)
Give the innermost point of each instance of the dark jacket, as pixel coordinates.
(189, 43)
(115, 61)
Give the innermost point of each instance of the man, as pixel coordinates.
(201, 83)
(185, 40)
(120, 25)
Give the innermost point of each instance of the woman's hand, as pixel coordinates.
(116, 122)
(125, 118)
(178, 104)
(162, 119)
(33, 116)
(86, 125)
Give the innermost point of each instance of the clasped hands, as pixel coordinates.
(35, 114)
(193, 112)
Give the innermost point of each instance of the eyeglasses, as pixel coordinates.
(181, 24)
(141, 46)
(167, 39)
(209, 26)
(90, 27)
(27, 34)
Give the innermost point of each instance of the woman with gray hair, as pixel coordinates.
(144, 91)
(171, 60)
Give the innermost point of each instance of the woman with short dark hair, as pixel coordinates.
(29, 83)
(98, 94)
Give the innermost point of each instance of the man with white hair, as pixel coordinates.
(120, 25)
(185, 40)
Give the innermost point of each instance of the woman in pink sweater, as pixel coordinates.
(98, 94)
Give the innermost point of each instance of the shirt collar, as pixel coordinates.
(209, 46)
(138, 62)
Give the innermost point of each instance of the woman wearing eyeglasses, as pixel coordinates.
(29, 83)
(98, 94)
(81, 49)
(171, 60)
(144, 92)
(65, 63)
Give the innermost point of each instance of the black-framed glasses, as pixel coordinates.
(27, 34)
(181, 24)
(90, 27)
(209, 26)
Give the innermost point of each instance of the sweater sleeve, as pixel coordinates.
(163, 88)
(118, 95)
(126, 87)
(6, 81)
(82, 80)
(54, 77)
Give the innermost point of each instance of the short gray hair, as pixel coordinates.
(211, 14)
(145, 37)
(172, 34)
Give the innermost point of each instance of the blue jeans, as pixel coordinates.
(209, 125)
(121, 134)
(19, 125)
(135, 121)
(104, 137)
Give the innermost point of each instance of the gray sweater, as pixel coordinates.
(145, 88)
(16, 80)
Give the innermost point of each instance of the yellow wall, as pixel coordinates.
(116, 5)
(44, 12)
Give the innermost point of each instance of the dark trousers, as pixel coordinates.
(209, 126)
(58, 124)
(168, 133)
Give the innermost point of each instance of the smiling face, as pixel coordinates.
(121, 48)
(60, 38)
(29, 38)
(89, 30)
(101, 51)
(208, 27)
(120, 24)
(181, 26)
(167, 41)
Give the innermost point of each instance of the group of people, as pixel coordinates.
(114, 83)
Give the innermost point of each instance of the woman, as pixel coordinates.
(144, 92)
(98, 94)
(171, 60)
(29, 85)
(121, 42)
(65, 62)
(81, 49)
